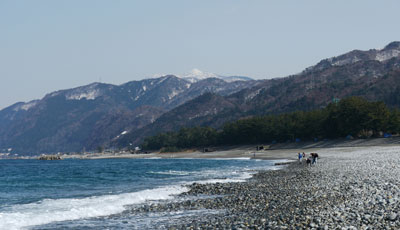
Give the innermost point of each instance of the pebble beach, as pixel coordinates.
(348, 188)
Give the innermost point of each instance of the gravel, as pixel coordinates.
(349, 188)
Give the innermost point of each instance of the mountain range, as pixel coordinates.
(90, 116)
(372, 74)
(108, 115)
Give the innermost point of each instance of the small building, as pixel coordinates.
(208, 150)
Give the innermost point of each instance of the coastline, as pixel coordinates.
(274, 152)
(277, 151)
(349, 188)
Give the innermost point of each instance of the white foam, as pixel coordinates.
(282, 161)
(237, 158)
(171, 172)
(49, 210)
(218, 158)
(242, 178)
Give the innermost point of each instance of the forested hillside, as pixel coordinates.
(354, 116)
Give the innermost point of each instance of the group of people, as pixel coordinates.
(311, 159)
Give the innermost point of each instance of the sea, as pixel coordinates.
(100, 194)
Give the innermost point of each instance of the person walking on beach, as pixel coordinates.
(304, 155)
(314, 158)
(300, 156)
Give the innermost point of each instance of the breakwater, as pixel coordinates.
(49, 157)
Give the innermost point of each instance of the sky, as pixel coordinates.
(51, 45)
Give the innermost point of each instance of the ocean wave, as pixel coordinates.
(51, 210)
(171, 172)
(58, 210)
(54, 210)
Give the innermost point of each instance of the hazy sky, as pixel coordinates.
(51, 45)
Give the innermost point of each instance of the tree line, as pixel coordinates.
(354, 116)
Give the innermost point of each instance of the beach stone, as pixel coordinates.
(352, 188)
(393, 216)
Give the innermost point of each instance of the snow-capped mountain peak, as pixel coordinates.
(197, 75)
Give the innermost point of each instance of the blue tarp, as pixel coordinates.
(386, 135)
